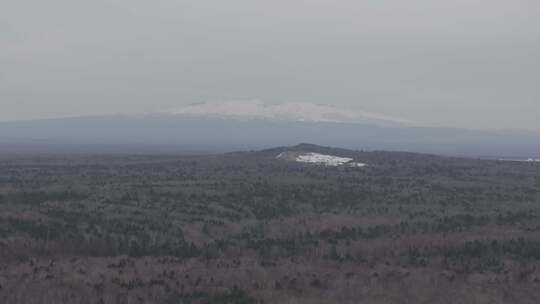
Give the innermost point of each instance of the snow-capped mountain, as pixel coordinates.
(294, 111)
(242, 125)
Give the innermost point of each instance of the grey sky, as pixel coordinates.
(467, 63)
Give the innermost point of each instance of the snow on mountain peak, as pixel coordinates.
(294, 111)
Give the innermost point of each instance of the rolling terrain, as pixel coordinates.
(298, 224)
(253, 125)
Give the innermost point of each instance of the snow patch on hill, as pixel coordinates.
(320, 159)
(328, 160)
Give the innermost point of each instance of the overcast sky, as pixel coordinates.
(466, 63)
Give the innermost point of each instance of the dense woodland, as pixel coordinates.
(250, 228)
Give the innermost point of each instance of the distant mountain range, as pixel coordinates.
(294, 111)
(228, 126)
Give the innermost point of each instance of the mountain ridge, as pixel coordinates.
(174, 134)
(292, 111)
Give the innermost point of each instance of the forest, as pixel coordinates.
(248, 227)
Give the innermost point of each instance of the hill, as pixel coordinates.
(168, 133)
